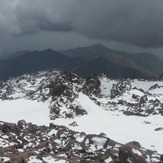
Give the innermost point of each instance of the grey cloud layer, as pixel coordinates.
(137, 22)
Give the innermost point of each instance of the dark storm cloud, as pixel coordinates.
(34, 16)
(137, 22)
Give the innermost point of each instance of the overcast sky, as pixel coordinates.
(133, 25)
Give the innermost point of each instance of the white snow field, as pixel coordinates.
(114, 124)
(31, 111)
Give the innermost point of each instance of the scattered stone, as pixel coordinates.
(159, 129)
(73, 124)
(61, 143)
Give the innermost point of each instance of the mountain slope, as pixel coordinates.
(123, 110)
(100, 65)
(145, 62)
(88, 52)
(35, 61)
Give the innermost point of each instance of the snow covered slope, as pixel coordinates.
(124, 110)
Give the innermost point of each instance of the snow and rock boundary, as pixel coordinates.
(27, 142)
(126, 110)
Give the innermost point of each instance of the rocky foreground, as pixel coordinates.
(26, 142)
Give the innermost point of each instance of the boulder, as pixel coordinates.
(126, 155)
(62, 84)
(22, 124)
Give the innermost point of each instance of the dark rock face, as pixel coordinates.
(161, 76)
(159, 129)
(6, 127)
(61, 85)
(154, 87)
(119, 88)
(22, 124)
(143, 100)
(92, 85)
(129, 113)
(64, 90)
(130, 153)
(30, 141)
(127, 155)
(79, 111)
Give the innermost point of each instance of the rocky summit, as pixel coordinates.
(92, 120)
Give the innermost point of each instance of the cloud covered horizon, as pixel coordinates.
(135, 22)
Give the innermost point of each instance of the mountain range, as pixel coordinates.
(83, 61)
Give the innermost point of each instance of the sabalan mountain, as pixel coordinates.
(83, 61)
(54, 116)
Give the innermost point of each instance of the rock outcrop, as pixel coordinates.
(92, 85)
(63, 92)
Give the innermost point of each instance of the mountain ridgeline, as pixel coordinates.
(84, 61)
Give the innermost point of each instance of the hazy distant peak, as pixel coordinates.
(88, 51)
(48, 50)
(99, 46)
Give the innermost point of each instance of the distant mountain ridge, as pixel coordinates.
(83, 61)
(145, 62)
(36, 61)
(88, 52)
